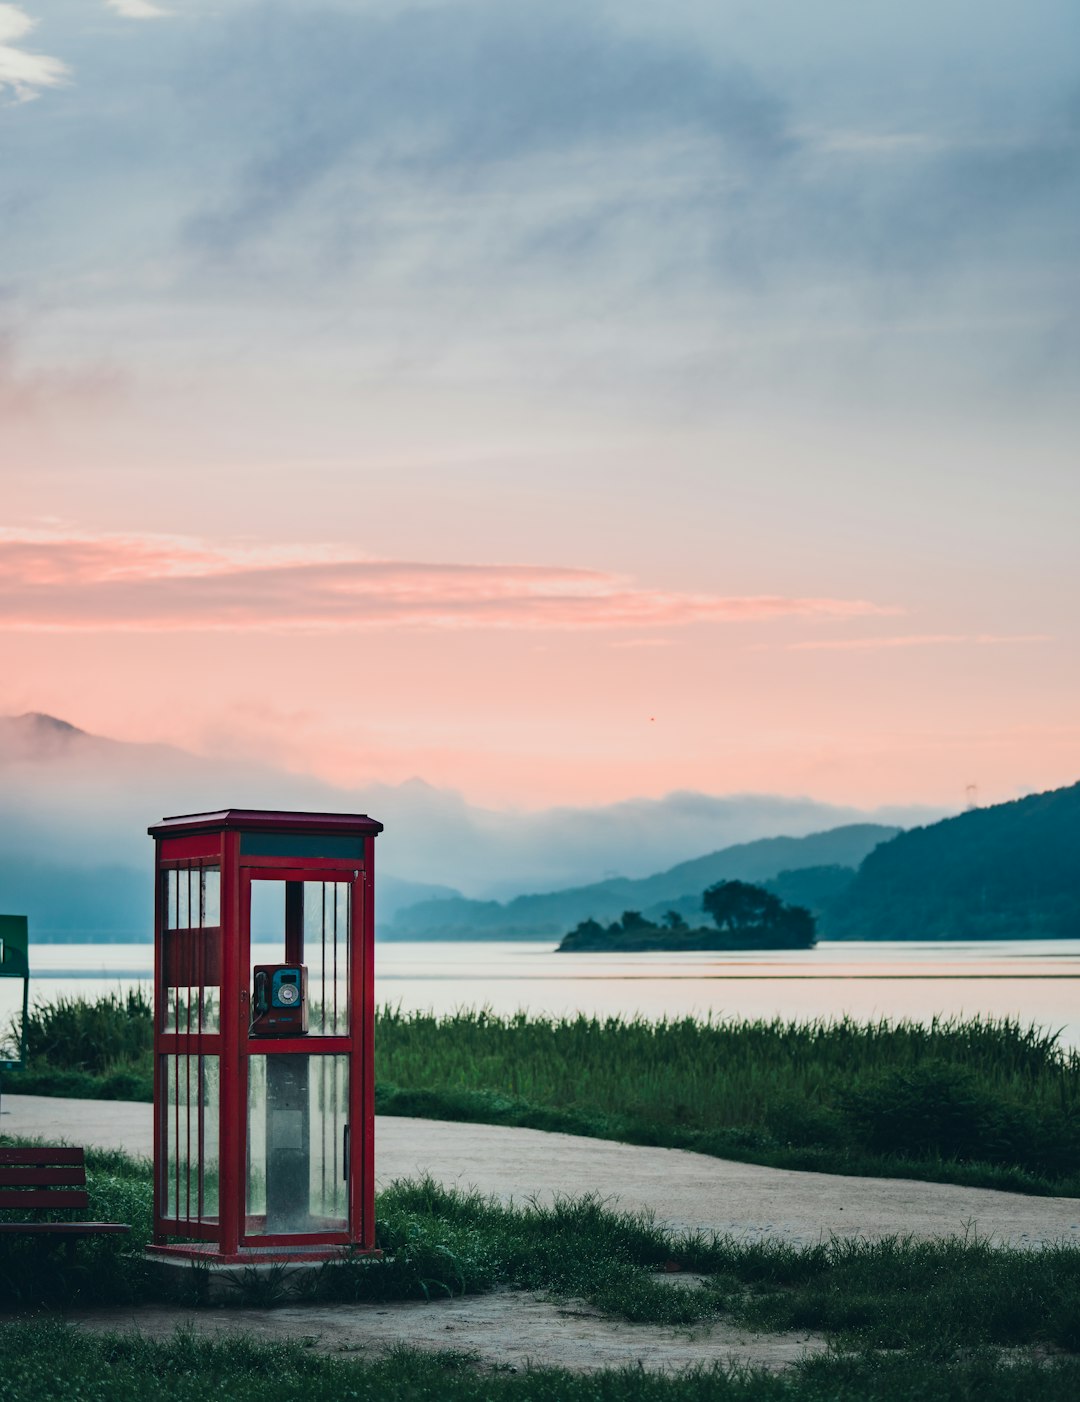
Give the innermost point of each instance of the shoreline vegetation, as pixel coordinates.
(988, 1103)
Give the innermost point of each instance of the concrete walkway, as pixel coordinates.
(684, 1190)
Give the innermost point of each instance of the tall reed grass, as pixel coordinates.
(100, 1048)
(109, 1033)
(705, 1073)
(981, 1090)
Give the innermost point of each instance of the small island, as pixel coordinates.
(744, 917)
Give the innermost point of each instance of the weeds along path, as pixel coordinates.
(686, 1191)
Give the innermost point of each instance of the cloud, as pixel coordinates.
(454, 93)
(50, 581)
(585, 135)
(914, 640)
(137, 9)
(24, 74)
(560, 195)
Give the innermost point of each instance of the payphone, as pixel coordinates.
(279, 1001)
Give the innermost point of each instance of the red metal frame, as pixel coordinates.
(203, 840)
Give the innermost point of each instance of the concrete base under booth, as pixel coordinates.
(195, 1277)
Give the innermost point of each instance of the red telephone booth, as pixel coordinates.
(264, 1036)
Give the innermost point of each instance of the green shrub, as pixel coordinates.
(112, 1032)
(942, 1109)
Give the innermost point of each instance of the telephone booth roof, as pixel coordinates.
(266, 820)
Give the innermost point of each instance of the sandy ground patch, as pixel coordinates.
(506, 1329)
(683, 1190)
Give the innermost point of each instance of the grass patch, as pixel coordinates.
(934, 1297)
(897, 1293)
(984, 1102)
(50, 1361)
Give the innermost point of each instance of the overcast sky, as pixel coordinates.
(561, 402)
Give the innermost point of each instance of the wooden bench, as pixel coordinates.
(47, 1180)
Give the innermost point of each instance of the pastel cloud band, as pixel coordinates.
(81, 583)
(914, 640)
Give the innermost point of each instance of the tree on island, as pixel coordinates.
(745, 911)
(745, 917)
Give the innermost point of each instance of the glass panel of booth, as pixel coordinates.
(307, 922)
(192, 897)
(191, 946)
(190, 1115)
(298, 1107)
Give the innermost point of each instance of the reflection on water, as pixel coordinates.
(1033, 980)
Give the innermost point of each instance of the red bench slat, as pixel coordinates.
(63, 1228)
(75, 1176)
(45, 1157)
(43, 1197)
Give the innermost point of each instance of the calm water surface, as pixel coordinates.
(1037, 981)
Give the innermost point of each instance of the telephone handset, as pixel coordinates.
(279, 1001)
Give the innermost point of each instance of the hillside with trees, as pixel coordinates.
(1004, 872)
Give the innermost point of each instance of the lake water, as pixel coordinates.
(1037, 981)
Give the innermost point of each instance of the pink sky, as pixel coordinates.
(524, 684)
(713, 427)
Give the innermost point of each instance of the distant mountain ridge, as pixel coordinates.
(551, 914)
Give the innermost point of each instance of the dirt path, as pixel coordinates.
(684, 1190)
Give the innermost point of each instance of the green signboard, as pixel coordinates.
(14, 965)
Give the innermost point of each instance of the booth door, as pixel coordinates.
(298, 1091)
